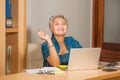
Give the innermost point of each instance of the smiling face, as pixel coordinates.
(59, 26)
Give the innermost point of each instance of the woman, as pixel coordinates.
(56, 50)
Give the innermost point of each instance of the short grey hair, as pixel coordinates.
(56, 16)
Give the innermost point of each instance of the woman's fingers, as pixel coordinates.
(42, 35)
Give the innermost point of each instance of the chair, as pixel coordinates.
(34, 58)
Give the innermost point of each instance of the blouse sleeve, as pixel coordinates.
(45, 50)
(76, 44)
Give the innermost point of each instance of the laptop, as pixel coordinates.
(84, 58)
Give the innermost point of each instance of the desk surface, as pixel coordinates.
(68, 75)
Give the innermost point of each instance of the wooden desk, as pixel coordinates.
(68, 75)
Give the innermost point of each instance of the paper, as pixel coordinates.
(32, 71)
(46, 69)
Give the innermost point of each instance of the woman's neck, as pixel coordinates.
(60, 39)
(63, 48)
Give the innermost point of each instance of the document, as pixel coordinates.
(45, 70)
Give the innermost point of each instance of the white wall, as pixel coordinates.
(78, 13)
(112, 21)
(29, 20)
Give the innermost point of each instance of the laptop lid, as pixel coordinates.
(84, 58)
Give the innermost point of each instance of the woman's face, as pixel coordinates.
(59, 26)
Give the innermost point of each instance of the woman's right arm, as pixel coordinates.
(53, 58)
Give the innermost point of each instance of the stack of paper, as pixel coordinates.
(45, 69)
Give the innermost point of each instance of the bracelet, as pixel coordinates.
(51, 46)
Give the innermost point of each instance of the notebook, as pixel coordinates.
(84, 58)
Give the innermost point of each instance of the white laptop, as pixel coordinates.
(84, 58)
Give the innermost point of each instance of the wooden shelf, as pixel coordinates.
(11, 30)
(14, 37)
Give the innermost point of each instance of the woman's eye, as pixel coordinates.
(64, 23)
(56, 24)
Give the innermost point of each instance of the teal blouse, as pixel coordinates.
(70, 42)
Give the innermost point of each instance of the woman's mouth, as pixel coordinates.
(60, 29)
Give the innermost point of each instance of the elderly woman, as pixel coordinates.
(56, 50)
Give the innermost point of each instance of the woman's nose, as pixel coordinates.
(60, 25)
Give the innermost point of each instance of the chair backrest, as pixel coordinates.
(34, 56)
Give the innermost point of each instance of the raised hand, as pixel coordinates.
(43, 36)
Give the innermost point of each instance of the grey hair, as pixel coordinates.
(56, 16)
